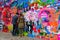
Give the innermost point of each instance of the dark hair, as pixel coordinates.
(21, 14)
(17, 13)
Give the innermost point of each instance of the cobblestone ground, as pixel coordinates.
(8, 36)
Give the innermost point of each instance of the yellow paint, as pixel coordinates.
(10, 27)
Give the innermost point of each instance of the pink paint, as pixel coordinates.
(59, 21)
(45, 23)
(43, 13)
(58, 36)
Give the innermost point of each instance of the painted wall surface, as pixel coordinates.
(44, 13)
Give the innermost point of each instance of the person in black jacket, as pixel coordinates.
(15, 25)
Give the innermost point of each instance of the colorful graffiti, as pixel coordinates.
(45, 15)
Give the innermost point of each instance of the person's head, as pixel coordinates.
(17, 14)
(21, 14)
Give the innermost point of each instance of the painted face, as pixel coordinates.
(44, 15)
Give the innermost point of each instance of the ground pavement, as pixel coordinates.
(8, 36)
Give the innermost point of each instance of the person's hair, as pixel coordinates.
(21, 14)
(17, 13)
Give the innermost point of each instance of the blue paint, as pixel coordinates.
(43, 19)
(31, 1)
(7, 0)
(30, 35)
(14, 4)
(39, 26)
(25, 5)
(47, 30)
(59, 27)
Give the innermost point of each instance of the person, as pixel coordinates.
(29, 24)
(21, 24)
(15, 25)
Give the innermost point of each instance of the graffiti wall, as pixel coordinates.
(44, 13)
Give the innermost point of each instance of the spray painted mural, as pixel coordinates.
(41, 17)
